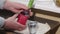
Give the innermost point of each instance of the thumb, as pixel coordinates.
(15, 15)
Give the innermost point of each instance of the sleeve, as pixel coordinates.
(2, 3)
(2, 22)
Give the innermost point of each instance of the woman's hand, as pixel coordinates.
(14, 6)
(12, 24)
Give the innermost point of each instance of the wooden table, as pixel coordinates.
(52, 22)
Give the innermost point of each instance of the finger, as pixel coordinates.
(14, 16)
(31, 13)
(20, 29)
(20, 11)
(20, 25)
(19, 6)
(16, 10)
(16, 19)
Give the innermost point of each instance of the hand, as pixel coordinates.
(14, 7)
(12, 24)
